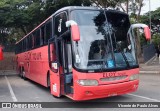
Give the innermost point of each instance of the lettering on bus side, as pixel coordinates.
(36, 56)
(27, 56)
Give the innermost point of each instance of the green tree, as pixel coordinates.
(155, 24)
(21, 16)
(105, 3)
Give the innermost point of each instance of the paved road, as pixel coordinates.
(15, 89)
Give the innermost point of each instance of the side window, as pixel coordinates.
(29, 42)
(20, 46)
(48, 31)
(42, 41)
(69, 55)
(26, 43)
(33, 39)
(37, 38)
(60, 24)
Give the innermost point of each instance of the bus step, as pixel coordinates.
(70, 96)
(72, 89)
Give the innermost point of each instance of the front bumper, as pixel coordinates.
(101, 91)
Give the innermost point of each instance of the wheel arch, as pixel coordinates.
(48, 78)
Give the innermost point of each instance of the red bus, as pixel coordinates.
(83, 53)
(1, 52)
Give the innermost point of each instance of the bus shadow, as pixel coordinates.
(62, 99)
(110, 102)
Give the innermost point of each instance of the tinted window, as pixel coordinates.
(29, 42)
(60, 24)
(21, 46)
(42, 41)
(33, 39)
(119, 24)
(48, 31)
(26, 43)
(37, 38)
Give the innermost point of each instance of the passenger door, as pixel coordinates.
(55, 48)
(54, 67)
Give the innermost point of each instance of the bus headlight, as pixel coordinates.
(134, 77)
(85, 82)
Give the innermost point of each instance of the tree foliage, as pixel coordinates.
(18, 17)
(21, 16)
(155, 24)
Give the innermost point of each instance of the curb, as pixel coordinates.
(150, 60)
(149, 72)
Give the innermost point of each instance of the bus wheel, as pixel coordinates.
(23, 74)
(48, 80)
(61, 96)
(20, 73)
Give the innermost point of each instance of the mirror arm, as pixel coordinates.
(64, 34)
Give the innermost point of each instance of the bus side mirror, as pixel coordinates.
(145, 27)
(74, 30)
(147, 33)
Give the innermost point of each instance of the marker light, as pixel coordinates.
(134, 77)
(85, 82)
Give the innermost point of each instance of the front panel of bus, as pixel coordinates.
(104, 60)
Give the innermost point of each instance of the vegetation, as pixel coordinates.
(155, 25)
(18, 17)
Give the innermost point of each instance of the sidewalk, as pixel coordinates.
(151, 67)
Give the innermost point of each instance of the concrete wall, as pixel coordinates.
(148, 52)
(8, 63)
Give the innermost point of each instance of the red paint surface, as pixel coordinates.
(35, 63)
(104, 89)
(1, 53)
(36, 66)
(147, 33)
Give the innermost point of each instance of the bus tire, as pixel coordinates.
(48, 79)
(23, 74)
(61, 96)
(20, 72)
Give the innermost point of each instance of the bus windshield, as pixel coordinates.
(104, 43)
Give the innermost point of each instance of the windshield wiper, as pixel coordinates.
(124, 56)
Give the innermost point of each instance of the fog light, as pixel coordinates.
(134, 77)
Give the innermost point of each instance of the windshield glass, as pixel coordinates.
(123, 45)
(103, 41)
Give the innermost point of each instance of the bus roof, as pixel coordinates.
(70, 8)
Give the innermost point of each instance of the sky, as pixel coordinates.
(154, 5)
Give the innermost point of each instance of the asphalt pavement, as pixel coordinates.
(151, 67)
(15, 89)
